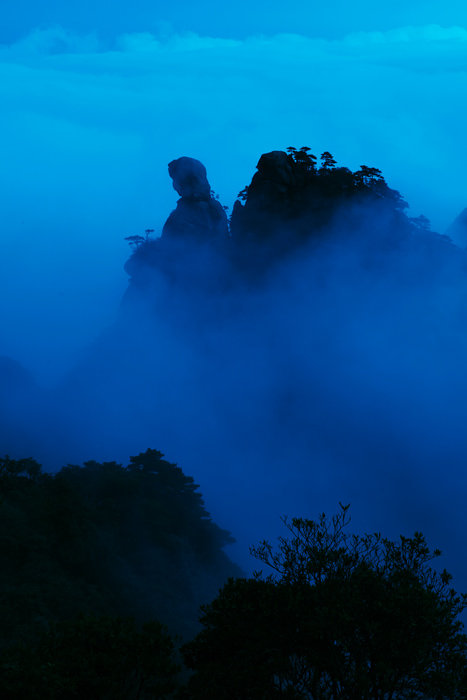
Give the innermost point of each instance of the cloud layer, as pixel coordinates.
(88, 131)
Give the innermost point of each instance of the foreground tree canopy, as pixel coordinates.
(104, 539)
(92, 657)
(340, 616)
(93, 556)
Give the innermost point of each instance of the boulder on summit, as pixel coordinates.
(198, 214)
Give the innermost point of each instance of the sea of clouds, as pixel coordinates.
(87, 131)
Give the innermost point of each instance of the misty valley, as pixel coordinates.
(209, 503)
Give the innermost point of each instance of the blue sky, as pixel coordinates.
(240, 19)
(97, 99)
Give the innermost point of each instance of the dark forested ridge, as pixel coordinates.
(91, 555)
(105, 539)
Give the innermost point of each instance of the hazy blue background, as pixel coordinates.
(96, 98)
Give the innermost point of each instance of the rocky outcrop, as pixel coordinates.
(292, 201)
(198, 215)
(189, 178)
(274, 179)
(267, 198)
(200, 220)
(190, 253)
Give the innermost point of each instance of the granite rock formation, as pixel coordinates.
(189, 178)
(267, 198)
(191, 250)
(198, 215)
(292, 200)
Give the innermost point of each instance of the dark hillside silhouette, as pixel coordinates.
(337, 616)
(104, 539)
